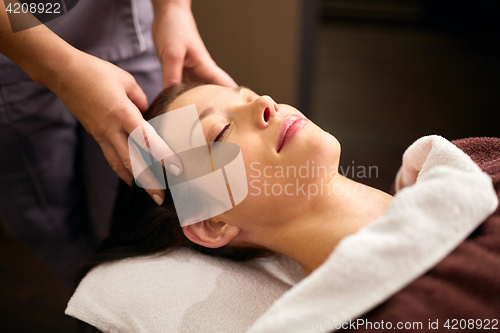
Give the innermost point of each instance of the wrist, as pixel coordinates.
(54, 69)
(162, 5)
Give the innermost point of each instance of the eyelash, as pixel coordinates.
(221, 134)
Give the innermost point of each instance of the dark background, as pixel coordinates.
(378, 75)
(389, 72)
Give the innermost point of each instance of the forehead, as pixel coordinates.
(204, 96)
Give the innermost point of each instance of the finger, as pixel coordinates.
(142, 171)
(173, 64)
(144, 176)
(147, 138)
(210, 72)
(116, 163)
(138, 97)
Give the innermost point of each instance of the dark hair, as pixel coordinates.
(140, 227)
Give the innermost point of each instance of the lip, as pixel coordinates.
(288, 129)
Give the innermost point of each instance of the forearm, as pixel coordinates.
(38, 51)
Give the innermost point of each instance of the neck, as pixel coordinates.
(311, 237)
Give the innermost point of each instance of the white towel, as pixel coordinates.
(183, 291)
(424, 223)
(188, 292)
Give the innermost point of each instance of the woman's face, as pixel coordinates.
(281, 160)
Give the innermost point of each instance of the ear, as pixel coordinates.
(209, 233)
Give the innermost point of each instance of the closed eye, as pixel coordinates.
(221, 134)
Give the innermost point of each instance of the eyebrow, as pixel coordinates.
(207, 112)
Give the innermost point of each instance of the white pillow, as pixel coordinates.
(183, 291)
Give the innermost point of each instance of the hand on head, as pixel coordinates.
(108, 102)
(106, 99)
(180, 48)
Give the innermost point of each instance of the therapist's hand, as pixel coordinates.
(103, 97)
(108, 102)
(179, 45)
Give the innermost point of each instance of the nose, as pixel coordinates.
(265, 108)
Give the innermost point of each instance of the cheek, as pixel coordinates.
(278, 189)
(266, 203)
(267, 200)
(318, 150)
(275, 192)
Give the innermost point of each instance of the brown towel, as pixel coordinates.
(463, 286)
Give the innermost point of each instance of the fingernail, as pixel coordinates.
(157, 199)
(174, 169)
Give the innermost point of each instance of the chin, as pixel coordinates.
(323, 148)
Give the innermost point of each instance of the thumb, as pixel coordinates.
(210, 72)
(138, 97)
(173, 65)
(148, 139)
